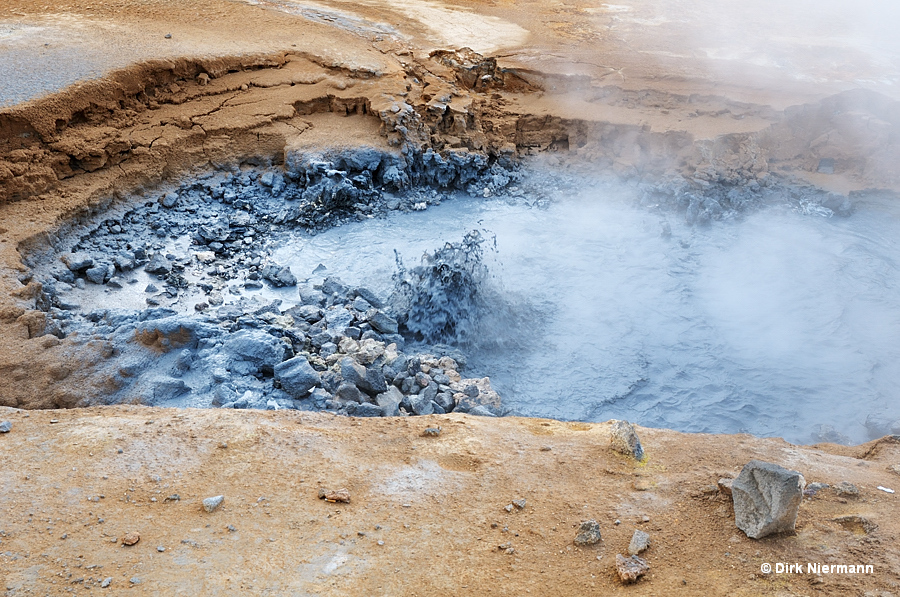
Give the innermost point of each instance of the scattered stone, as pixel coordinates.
(624, 440)
(231, 528)
(131, 539)
(211, 503)
(173, 498)
(766, 499)
(508, 507)
(5, 427)
(640, 541)
(134, 580)
(588, 533)
(341, 495)
(160, 548)
(520, 503)
(106, 582)
(169, 200)
(814, 488)
(846, 489)
(431, 432)
(630, 569)
(158, 265)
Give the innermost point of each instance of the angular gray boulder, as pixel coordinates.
(766, 499)
(624, 440)
(297, 377)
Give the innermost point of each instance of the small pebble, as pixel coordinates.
(640, 541)
(160, 549)
(131, 539)
(211, 503)
(5, 427)
(630, 569)
(231, 528)
(588, 533)
(106, 582)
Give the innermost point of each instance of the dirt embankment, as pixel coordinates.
(428, 514)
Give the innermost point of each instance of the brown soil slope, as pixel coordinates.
(427, 515)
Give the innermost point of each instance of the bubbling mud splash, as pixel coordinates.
(442, 300)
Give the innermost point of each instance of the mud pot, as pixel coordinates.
(766, 308)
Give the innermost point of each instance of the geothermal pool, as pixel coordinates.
(773, 323)
(779, 320)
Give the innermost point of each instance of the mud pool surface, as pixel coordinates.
(777, 321)
(774, 323)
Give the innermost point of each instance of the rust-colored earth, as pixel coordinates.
(102, 99)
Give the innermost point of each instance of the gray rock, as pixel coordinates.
(106, 582)
(333, 285)
(766, 499)
(360, 304)
(211, 503)
(5, 427)
(347, 392)
(389, 401)
(481, 411)
(297, 377)
(169, 200)
(624, 440)
(421, 405)
(366, 410)
(588, 533)
(100, 272)
(640, 541)
(338, 320)
(252, 351)
(445, 400)
(158, 265)
(374, 382)
(370, 297)
(308, 313)
(78, 261)
(169, 389)
(279, 276)
(352, 372)
(381, 321)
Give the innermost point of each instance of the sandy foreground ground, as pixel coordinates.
(99, 100)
